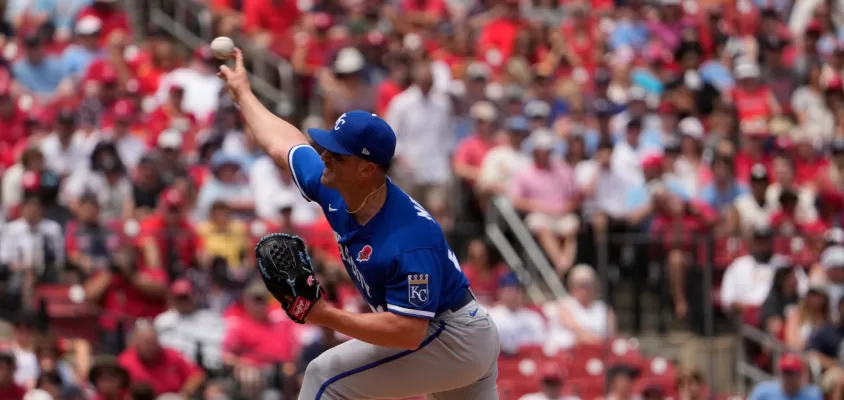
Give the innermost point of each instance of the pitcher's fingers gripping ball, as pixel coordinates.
(287, 271)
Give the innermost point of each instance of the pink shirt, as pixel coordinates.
(552, 187)
(168, 375)
(261, 342)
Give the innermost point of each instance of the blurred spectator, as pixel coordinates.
(752, 207)
(167, 239)
(106, 90)
(201, 86)
(502, 163)
(423, 120)
(32, 248)
(26, 325)
(115, 21)
(31, 161)
(348, 89)
(546, 192)
(63, 150)
(146, 187)
(166, 370)
(112, 188)
(223, 236)
(109, 379)
(38, 72)
(690, 385)
(824, 344)
(781, 300)
(580, 318)
(50, 355)
(227, 185)
(748, 279)
(482, 272)
(130, 147)
(272, 189)
(785, 182)
(195, 333)
(260, 339)
(266, 21)
(125, 291)
(811, 313)
(790, 385)
(170, 115)
(78, 56)
(8, 388)
(551, 385)
(621, 380)
(517, 324)
(831, 273)
(471, 151)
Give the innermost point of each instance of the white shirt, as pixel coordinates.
(63, 160)
(501, 164)
(270, 189)
(626, 162)
(22, 245)
(424, 127)
(522, 327)
(610, 189)
(748, 282)
(130, 148)
(26, 363)
(593, 318)
(751, 213)
(12, 189)
(183, 332)
(805, 211)
(202, 92)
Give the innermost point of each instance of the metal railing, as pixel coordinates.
(191, 23)
(751, 373)
(502, 218)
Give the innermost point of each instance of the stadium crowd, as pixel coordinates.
(129, 180)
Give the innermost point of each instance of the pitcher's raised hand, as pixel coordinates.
(237, 80)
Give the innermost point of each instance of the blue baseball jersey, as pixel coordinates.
(399, 261)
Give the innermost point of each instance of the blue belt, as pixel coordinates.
(467, 298)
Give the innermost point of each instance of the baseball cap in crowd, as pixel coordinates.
(477, 71)
(537, 109)
(88, 25)
(123, 110)
(483, 111)
(690, 126)
(349, 60)
(542, 139)
(551, 372)
(758, 173)
(170, 139)
(636, 93)
(172, 198)
(322, 20)
(509, 280)
(762, 232)
(833, 257)
(360, 134)
(790, 363)
(514, 93)
(181, 287)
(517, 124)
(746, 70)
(204, 53)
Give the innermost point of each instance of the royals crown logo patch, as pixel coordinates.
(417, 290)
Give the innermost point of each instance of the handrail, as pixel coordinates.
(265, 66)
(501, 207)
(750, 371)
(496, 236)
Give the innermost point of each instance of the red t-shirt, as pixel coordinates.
(387, 89)
(185, 237)
(167, 375)
(276, 16)
(262, 342)
(12, 392)
(122, 299)
(472, 150)
(113, 20)
(752, 104)
(484, 286)
(499, 34)
(806, 171)
(744, 164)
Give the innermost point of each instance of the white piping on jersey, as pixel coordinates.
(293, 171)
(411, 311)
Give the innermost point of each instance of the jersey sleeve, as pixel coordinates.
(414, 288)
(306, 167)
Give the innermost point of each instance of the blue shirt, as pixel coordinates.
(76, 59)
(41, 78)
(772, 390)
(399, 261)
(718, 199)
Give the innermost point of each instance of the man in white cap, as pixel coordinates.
(78, 56)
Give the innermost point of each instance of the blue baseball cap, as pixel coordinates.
(360, 134)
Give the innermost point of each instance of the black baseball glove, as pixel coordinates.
(287, 271)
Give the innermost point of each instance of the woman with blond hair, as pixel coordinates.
(810, 314)
(580, 317)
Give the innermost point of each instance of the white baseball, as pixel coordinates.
(222, 47)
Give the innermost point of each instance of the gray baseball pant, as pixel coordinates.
(457, 361)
